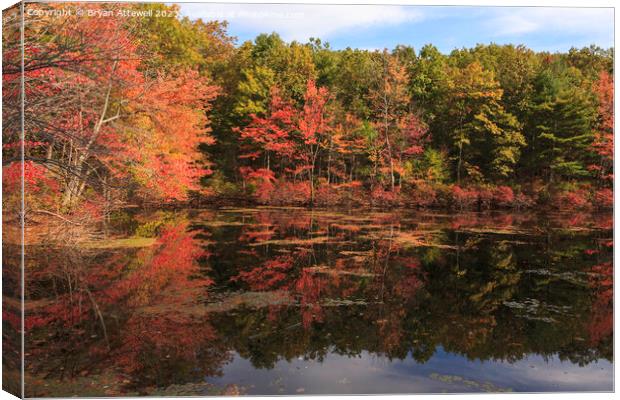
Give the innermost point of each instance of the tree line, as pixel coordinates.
(494, 125)
(160, 110)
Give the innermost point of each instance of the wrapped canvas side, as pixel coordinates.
(12, 201)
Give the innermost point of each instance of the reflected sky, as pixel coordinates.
(444, 372)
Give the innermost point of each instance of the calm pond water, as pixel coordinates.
(294, 301)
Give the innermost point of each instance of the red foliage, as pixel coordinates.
(169, 157)
(463, 198)
(604, 143)
(150, 339)
(291, 193)
(326, 195)
(165, 273)
(309, 287)
(101, 111)
(601, 324)
(270, 275)
(604, 198)
(35, 178)
(167, 269)
(415, 136)
(263, 179)
(423, 195)
(288, 140)
(270, 134)
(170, 283)
(503, 196)
(572, 199)
(385, 198)
(313, 121)
(40, 187)
(28, 144)
(333, 195)
(265, 232)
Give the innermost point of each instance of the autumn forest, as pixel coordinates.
(160, 110)
(204, 215)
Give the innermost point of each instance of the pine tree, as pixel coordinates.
(560, 124)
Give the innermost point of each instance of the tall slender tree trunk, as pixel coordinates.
(352, 168)
(389, 147)
(460, 161)
(386, 109)
(314, 153)
(329, 161)
(375, 167)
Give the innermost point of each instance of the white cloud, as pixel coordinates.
(565, 21)
(301, 22)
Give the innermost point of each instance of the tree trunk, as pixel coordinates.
(458, 166)
(314, 153)
(72, 190)
(77, 181)
(389, 147)
(386, 109)
(329, 161)
(352, 168)
(312, 185)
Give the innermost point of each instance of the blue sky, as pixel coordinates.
(381, 26)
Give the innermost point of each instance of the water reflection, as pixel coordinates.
(270, 301)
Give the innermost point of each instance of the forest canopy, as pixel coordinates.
(158, 110)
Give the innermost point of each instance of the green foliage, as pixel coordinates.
(372, 147)
(325, 61)
(219, 186)
(590, 60)
(560, 123)
(498, 139)
(435, 164)
(292, 63)
(173, 43)
(357, 72)
(253, 90)
(515, 68)
(151, 228)
(428, 80)
(484, 140)
(123, 220)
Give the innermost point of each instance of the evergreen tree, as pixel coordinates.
(560, 124)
